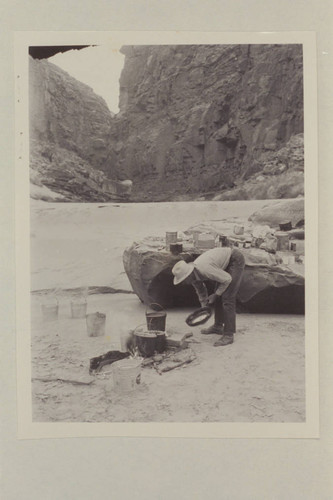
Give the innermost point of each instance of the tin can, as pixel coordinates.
(282, 240)
(176, 248)
(223, 240)
(170, 237)
(293, 246)
(196, 237)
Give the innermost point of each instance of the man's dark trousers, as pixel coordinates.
(225, 306)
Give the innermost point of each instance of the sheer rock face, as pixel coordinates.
(193, 120)
(200, 118)
(69, 134)
(67, 113)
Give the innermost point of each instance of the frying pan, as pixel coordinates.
(199, 316)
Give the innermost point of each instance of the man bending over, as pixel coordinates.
(225, 267)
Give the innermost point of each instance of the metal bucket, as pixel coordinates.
(156, 319)
(285, 226)
(95, 324)
(79, 308)
(126, 374)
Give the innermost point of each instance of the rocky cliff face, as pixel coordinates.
(202, 119)
(195, 122)
(69, 135)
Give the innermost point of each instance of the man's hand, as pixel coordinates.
(211, 299)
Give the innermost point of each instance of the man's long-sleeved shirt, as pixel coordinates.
(211, 265)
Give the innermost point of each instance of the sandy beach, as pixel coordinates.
(259, 378)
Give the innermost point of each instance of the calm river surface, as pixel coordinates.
(81, 244)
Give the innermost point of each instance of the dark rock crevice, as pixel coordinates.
(271, 300)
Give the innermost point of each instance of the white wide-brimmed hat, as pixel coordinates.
(181, 271)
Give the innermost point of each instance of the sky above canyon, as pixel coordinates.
(99, 67)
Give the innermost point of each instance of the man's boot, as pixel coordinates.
(224, 340)
(213, 330)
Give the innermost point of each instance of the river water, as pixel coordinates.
(81, 244)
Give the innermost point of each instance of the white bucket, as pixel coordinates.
(126, 374)
(50, 310)
(79, 308)
(95, 324)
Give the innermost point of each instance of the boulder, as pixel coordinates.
(280, 211)
(267, 286)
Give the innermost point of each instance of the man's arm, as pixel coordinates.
(224, 280)
(201, 291)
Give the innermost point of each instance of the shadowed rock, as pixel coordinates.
(266, 287)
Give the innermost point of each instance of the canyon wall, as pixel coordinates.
(69, 135)
(200, 119)
(195, 122)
